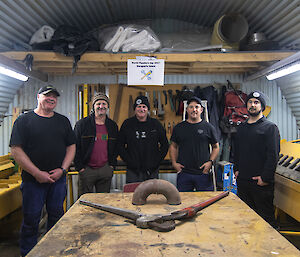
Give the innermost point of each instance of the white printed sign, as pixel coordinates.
(145, 71)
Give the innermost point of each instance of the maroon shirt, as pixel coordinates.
(99, 154)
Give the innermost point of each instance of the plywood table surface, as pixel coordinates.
(226, 228)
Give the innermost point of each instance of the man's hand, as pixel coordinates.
(82, 170)
(178, 167)
(56, 174)
(206, 167)
(236, 173)
(260, 181)
(44, 177)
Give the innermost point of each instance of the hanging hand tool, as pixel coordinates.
(172, 128)
(177, 101)
(147, 95)
(166, 96)
(171, 99)
(117, 103)
(155, 104)
(130, 104)
(158, 222)
(160, 112)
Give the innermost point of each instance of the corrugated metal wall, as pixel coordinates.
(26, 99)
(281, 113)
(8, 88)
(290, 87)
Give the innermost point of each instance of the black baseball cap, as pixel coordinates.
(194, 99)
(47, 89)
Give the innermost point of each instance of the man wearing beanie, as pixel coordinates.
(96, 147)
(142, 143)
(189, 150)
(256, 151)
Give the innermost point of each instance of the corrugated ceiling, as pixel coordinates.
(279, 20)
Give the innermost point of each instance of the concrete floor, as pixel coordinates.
(9, 248)
(9, 234)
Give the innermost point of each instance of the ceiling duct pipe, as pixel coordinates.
(229, 30)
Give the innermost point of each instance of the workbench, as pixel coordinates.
(226, 228)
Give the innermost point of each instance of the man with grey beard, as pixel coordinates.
(256, 151)
(96, 147)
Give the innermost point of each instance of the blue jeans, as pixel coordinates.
(187, 182)
(35, 195)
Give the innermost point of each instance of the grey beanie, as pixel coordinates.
(100, 96)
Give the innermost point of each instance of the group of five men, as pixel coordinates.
(44, 144)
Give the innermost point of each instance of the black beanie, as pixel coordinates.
(258, 95)
(141, 100)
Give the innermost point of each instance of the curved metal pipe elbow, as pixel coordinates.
(156, 186)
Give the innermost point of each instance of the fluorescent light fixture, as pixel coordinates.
(13, 74)
(288, 69)
(286, 62)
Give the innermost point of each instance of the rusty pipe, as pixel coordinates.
(156, 186)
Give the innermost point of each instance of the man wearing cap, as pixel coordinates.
(142, 143)
(190, 150)
(43, 144)
(96, 147)
(256, 151)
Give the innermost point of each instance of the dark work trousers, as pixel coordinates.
(133, 176)
(35, 195)
(187, 182)
(98, 177)
(258, 198)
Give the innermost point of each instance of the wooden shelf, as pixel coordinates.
(175, 63)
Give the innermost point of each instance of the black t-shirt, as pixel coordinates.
(193, 140)
(43, 139)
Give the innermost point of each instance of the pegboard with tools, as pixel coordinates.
(164, 102)
(164, 105)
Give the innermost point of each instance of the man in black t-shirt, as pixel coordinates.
(189, 150)
(43, 144)
(142, 143)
